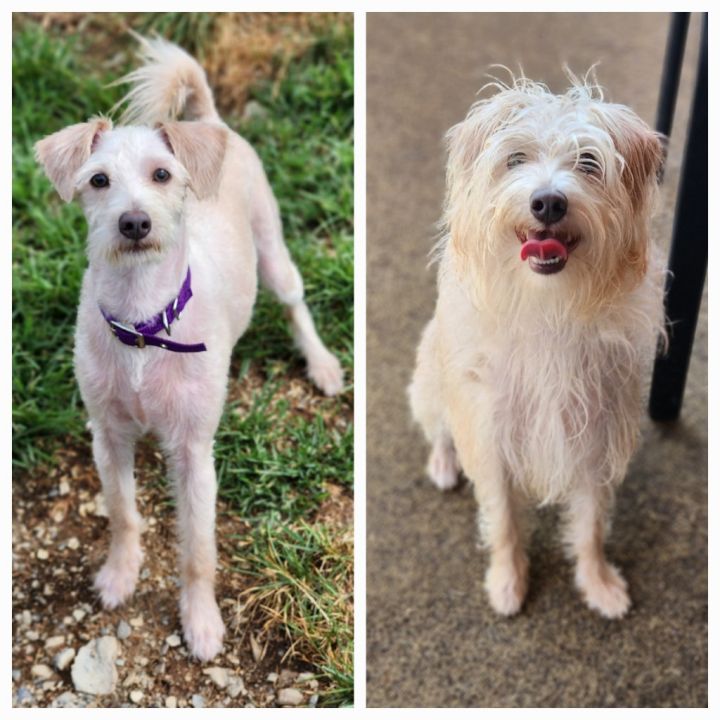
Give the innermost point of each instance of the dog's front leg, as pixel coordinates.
(113, 450)
(501, 510)
(601, 584)
(500, 515)
(194, 474)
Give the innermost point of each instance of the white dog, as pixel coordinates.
(549, 304)
(181, 220)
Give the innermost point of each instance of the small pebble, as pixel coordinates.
(272, 677)
(136, 696)
(218, 675)
(63, 487)
(32, 635)
(63, 659)
(137, 622)
(94, 670)
(16, 675)
(42, 672)
(198, 701)
(290, 697)
(123, 630)
(173, 641)
(73, 543)
(171, 701)
(79, 614)
(23, 695)
(42, 554)
(55, 641)
(236, 687)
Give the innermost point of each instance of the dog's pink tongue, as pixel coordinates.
(544, 249)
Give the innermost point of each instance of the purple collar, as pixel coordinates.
(142, 334)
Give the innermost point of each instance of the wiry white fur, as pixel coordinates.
(218, 215)
(534, 380)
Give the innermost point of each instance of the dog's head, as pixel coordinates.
(549, 196)
(132, 181)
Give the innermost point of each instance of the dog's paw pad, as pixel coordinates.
(443, 467)
(327, 374)
(203, 629)
(605, 592)
(506, 587)
(116, 583)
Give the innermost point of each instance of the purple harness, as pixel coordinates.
(144, 333)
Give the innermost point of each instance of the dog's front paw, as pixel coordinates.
(442, 467)
(506, 584)
(604, 590)
(325, 371)
(202, 623)
(118, 576)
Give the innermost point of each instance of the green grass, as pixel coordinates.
(304, 590)
(274, 459)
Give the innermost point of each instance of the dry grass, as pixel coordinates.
(304, 595)
(237, 50)
(248, 47)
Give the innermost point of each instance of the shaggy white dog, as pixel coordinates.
(181, 221)
(549, 307)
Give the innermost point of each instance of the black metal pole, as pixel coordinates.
(672, 67)
(688, 255)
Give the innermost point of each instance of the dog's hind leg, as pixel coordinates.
(113, 450)
(425, 394)
(280, 275)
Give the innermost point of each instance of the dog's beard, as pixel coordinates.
(132, 254)
(604, 251)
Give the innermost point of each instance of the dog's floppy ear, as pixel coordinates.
(200, 148)
(641, 149)
(63, 153)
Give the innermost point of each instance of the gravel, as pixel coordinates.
(23, 696)
(74, 646)
(69, 700)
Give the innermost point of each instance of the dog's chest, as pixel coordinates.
(141, 387)
(561, 408)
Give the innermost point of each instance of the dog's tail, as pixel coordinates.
(168, 85)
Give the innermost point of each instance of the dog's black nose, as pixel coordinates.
(548, 206)
(135, 225)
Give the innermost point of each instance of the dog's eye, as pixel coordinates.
(99, 180)
(516, 158)
(161, 175)
(589, 164)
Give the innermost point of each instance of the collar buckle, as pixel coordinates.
(139, 337)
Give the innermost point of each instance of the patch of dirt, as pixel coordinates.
(338, 508)
(301, 397)
(60, 538)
